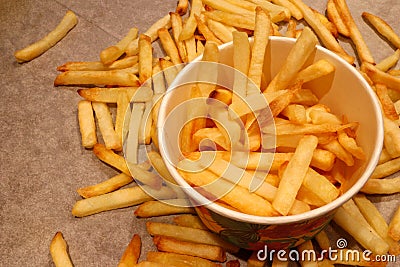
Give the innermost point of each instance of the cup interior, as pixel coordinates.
(345, 92)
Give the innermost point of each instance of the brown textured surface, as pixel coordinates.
(42, 161)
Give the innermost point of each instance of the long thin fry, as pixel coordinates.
(112, 53)
(132, 252)
(58, 251)
(36, 49)
(107, 186)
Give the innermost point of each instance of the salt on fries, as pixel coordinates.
(36, 49)
(310, 140)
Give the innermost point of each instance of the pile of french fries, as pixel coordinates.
(311, 141)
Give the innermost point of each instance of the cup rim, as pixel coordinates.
(312, 214)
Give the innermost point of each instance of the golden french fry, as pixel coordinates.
(144, 176)
(378, 76)
(132, 140)
(59, 251)
(111, 95)
(362, 234)
(334, 17)
(191, 48)
(279, 10)
(324, 20)
(241, 62)
(188, 234)
(132, 252)
(385, 157)
(394, 226)
(391, 137)
(119, 199)
(182, 7)
(87, 125)
(376, 220)
(387, 168)
(355, 34)
(124, 63)
(323, 240)
(157, 208)
(394, 72)
(79, 66)
(304, 97)
(206, 32)
(123, 115)
(146, 124)
(298, 55)
(340, 152)
(112, 53)
(227, 6)
(170, 71)
(387, 104)
(188, 220)
(294, 11)
(295, 113)
(107, 186)
(291, 128)
(173, 259)
(220, 30)
(383, 28)
(36, 49)
(164, 22)
(145, 58)
(105, 123)
(310, 260)
(291, 29)
(208, 72)
(382, 186)
(210, 252)
(235, 20)
(323, 33)
(316, 70)
(169, 46)
(177, 26)
(110, 157)
(109, 77)
(262, 31)
(320, 186)
(389, 61)
(351, 146)
(190, 26)
(294, 174)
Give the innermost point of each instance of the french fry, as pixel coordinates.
(277, 11)
(334, 17)
(220, 30)
(169, 46)
(158, 164)
(208, 72)
(387, 104)
(123, 115)
(362, 234)
(384, 157)
(389, 61)
(376, 220)
(351, 146)
(391, 137)
(188, 220)
(309, 260)
(210, 252)
(294, 11)
(323, 33)
(394, 226)
(170, 71)
(146, 124)
(152, 32)
(145, 177)
(190, 26)
(262, 31)
(182, 7)
(206, 32)
(177, 26)
(199, 48)
(145, 58)
(227, 6)
(191, 48)
(111, 95)
(386, 169)
(320, 186)
(355, 34)
(36, 49)
(132, 252)
(298, 55)
(323, 241)
(157, 208)
(87, 125)
(241, 62)
(382, 186)
(291, 29)
(112, 53)
(213, 134)
(118, 199)
(110, 157)
(235, 20)
(109, 77)
(314, 71)
(123, 63)
(106, 126)
(294, 175)
(132, 140)
(188, 234)
(378, 76)
(59, 251)
(79, 66)
(383, 28)
(173, 259)
(304, 97)
(336, 148)
(107, 186)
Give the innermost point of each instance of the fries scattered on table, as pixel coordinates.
(122, 69)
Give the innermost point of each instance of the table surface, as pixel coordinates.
(42, 161)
